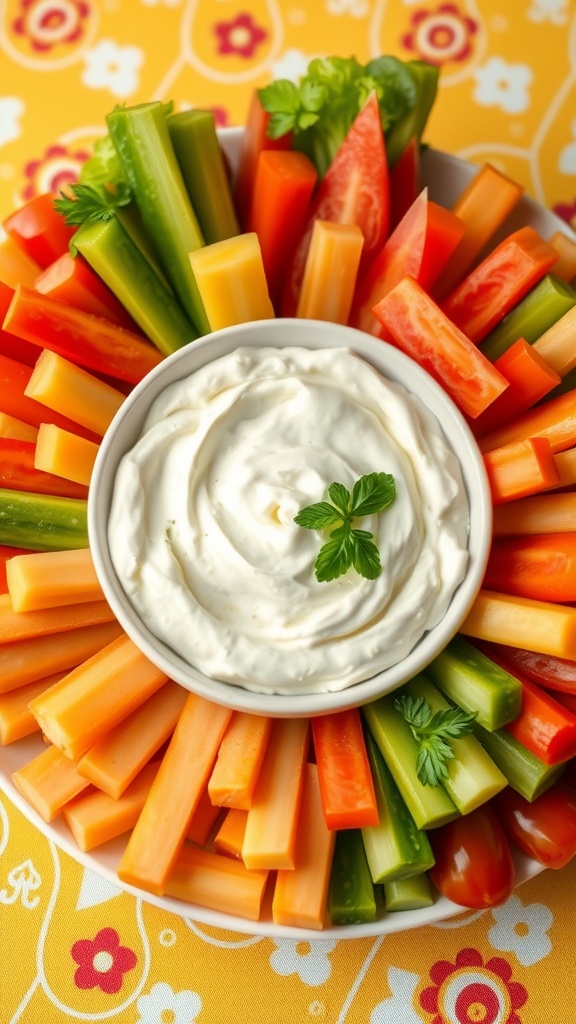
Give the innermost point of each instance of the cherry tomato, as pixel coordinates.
(544, 829)
(474, 866)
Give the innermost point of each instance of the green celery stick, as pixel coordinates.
(473, 777)
(408, 893)
(131, 220)
(395, 847)
(544, 304)
(122, 266)
(142, 141)
(193, 135)
(430, 806)
(470, 679)
(525, 772)
(42, 522)
(351, 894)
(425, 78)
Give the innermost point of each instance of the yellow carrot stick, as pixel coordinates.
(231, 280)
(25, 660)
(203, 820)
(17, 429)
(330, 272)
(300, 895)
(48, 782)
(121, 753)
(65, 454)
(229, 838)
(47, 579)
(25, 625)
(94, 818)
(219, 883)
(239, 760)
(540, 626)
(160, 830)
(539, 513)
(556, 345)
(73, 392)
(96, 695)
(270, 839)
(16, 719)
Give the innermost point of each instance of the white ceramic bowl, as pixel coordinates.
(391, 363)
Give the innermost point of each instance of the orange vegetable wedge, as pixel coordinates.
(159, 833)
(565, 266)
(16, 719)
(16, 266)
(94, 818)
(231, 281)
(19, 473)
(530, 378)
(521, 468)
(556, 345)
(73, 392)
(270, 839)
(50, 579)
(96, 695)
(330, 272)
(25, 625)
(542, 567)
(554, 420)
(14, 380)
(300, 895)
(566, 466)
(48, 782)
(71, 279)
(541, 513)
(65, 454)
(219, 883)
(7, 552)
(120, 754)
(17, 430)
(24, 661)
(203, 820)
(345, 778)
(229, 838)
(239, 760)
(541, 626)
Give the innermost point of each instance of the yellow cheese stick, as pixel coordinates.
(50, 579)
(65, 454)
(73, 392)
(540, 626)
(330, 272)
(231, 281)
(16, 429)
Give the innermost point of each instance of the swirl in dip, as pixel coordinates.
(202, 533)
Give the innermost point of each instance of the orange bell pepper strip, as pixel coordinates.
(544, 726)
(344, 776)
(10, 345)
(542, 567)
(39, 230)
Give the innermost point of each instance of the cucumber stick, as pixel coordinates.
(430, 806)
(525, 772)
(110, 251)
(351, 894)
(193, 135)
(408, 893)
(142, 142)
(544, 304)
(473, 777)
(475, 683)
(42, 522)
(395, 848)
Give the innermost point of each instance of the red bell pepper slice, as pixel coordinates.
(542, 567)
(404, 181)
(354, 190)
(499, 282)
(255, 138)
(14, 379)
(71, 279)
(544, 829)
(419, 247)
(39, 229)
(10, 345)
(18, 472)
(7, 552)
(344, 776)
(87, 340)
(417, 325)
(546, 670)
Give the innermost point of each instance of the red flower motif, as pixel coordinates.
(567, 211)
(241, 36)
(47, 25)
(103, 961)
(471, 990)
(441, 35)
(220, 116)
(56, 168)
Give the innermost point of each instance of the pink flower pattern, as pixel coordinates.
(102, 961)
(57, 167)
(49, 25)
(440, 35)
(240, 37)
(470, 991)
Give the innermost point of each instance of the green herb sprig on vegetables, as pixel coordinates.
(89, 203)
(348, 546)
(433, 733)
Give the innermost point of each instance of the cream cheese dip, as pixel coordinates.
(202, 534)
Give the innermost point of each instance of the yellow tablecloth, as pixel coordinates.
(71, 946)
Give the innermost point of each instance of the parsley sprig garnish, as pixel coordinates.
(347, 545)
(433, 732)
(92, 203)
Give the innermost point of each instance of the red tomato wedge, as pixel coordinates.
(474, 866)
(419, 246)
(354, 190)
(39, 229)
(18, 472)
(544, 829)
(344, 775)
(417, 325)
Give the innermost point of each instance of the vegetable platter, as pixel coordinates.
(469, 763)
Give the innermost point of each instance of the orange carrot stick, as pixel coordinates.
(229, 838)
(300, 895)
(541, 626)
(239, 760)
(50, 579)
(25, 625)
(16, 719)
(519, 469)
(94, 818)
(566, 466)
(270, 839)
(96, 695)
(330, 271)
(159, 832)
(220, 883)
(554, 419)
(203, 820)
(542, 567)
(541, 513)
(530, 379)
(25, 660)
(120, 754)
(48, 782)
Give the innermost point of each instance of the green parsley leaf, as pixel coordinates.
(348, 546)
(92, 203)
(432, 733)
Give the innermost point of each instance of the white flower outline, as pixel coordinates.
(184, 1005)
(11, 110)
(309, 960)
(529, 946)
(111, 66)
(504, 85)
